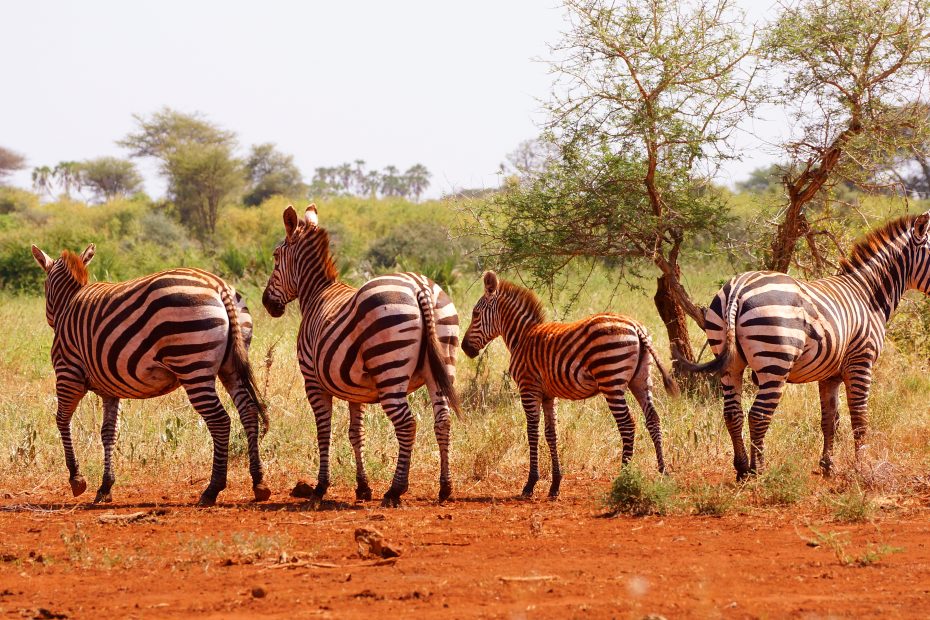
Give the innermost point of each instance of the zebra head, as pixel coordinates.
(63, 278)
(484, 324)
(920, 242)
(302, 262)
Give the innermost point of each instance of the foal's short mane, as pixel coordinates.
(321, 237)
(75, 265)
(525, 298)
(874, 242)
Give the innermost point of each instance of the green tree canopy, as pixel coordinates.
(271, 173)
(10, 162)
(109, 177)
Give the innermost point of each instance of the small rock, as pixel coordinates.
(376, 517)
(371, 543)
(259, 592)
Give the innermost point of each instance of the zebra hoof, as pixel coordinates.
(445, 491)
(305, 490)
(261, 491)
(392, 498)
(207, 499)
(78, 485)
(363, 494)
(103, 497)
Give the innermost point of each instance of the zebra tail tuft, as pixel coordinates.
(434, 354)
(240, 359)
(671, 386)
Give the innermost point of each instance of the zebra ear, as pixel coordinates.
(290, 221)
(921, 225)
(310, 215)
(88, 254)
(45, 261)
(490, 283)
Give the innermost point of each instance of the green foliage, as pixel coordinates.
(10, 162)
(839, 543)
(110, 177)
(711, 500)
(633, 493)
(780, 485)
(271, 173)
(852, 506)
(423, 247)
(12, 200)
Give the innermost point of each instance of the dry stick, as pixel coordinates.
(305, 564)
(528, 578)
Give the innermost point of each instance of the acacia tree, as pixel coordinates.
(10, 162)
(270, 173)
(854, 77)
(648, 94)
(109, 177)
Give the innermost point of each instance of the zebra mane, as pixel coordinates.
(524, 297)
(75, 265)
(875, 242)
(319, 236)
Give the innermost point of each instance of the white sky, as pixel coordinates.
(453, 85)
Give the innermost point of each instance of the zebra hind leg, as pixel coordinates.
(732, 384)
(641, 386)
(405, 427)
(206, 402)
(771, 387)
(829, 415)
(108, 433)
(357, 439)
(322, 405)
(625, 423)
(68, 398)
(442, 428)
(248, 415)
(552, 440)
(858, 381)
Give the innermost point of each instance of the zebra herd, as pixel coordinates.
(378, 343)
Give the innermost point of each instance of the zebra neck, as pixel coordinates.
(516, 330)
(313, 296)
(883, 282)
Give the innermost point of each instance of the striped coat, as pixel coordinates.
(601, 354)
(145, 338)
(830, 331)
(375, 344)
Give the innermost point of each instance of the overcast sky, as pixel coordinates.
(453, 85)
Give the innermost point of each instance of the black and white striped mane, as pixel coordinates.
(524, 299)
(875, 243)
(318, 239)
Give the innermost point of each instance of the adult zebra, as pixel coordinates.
(375, 344)
(601, 354)
(829, 330)
(145, 338)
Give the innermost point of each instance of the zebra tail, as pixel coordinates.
(722, 360)
(434, 354)
(240, 359)
(671, 386)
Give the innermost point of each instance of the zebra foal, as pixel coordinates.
(601, 354)
(145, 338)
(794, 331)
(374, 344)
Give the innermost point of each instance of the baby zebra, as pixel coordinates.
(145, 338)
(602, 354)
(374, 344)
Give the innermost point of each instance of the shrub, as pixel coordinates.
(632, 493)
(780, 485)
(711, 500)
(852, 506)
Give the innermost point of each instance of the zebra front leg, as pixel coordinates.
(322, 405)
(248, 415)
(858, 379)
(357, 439)
(829, 416)
(553, 440)
(771, 387)
(207, 403)
(641, 386)
(108, 433)
(625, 423)
(69, 394)
(405, 427)
(531, 409)
(732, 384)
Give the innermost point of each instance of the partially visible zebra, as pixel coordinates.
(829, 330)
(145, 338)
(375, 344)
(601, 354)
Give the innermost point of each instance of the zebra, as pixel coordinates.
(601, 354)
(145, 338)
(829, 330)
(374, 344)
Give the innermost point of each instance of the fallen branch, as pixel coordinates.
(328, 565)
(528, 578)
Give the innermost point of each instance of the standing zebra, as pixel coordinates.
(601, 354)
(829, 330)
(375, 344)
(144, 338)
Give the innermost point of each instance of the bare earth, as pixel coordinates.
(487, 555)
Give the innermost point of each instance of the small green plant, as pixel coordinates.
(711, 500)
(852, 506)
(839, 542)
(633, 493)
(76, 545)
(780, 485)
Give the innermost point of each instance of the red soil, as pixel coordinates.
(478, 556)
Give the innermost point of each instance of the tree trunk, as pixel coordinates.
(786, 238)
(676, 324)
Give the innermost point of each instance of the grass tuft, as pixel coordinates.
(635, 494)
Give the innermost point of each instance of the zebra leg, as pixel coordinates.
(641, 386)
(531, 409)
(357, 439)
(442, 426)
(625, 423)
(248, 415)
(207, 403)
(322, 405)
(405, 427)
(553, 440)
(108, 432)
(858, 379)
(731, 381)
(829, 416)
(69, 395)
(771, 387)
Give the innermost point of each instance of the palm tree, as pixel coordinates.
(43, 178)
(68, 175)
(417, 177)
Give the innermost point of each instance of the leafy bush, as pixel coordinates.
(780, 485)
(632, 493)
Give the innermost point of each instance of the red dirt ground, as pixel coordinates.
(486, 556)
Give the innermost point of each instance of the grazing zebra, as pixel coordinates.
(374, 344)
(829, 330)
(144, 338)
(601, 354)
